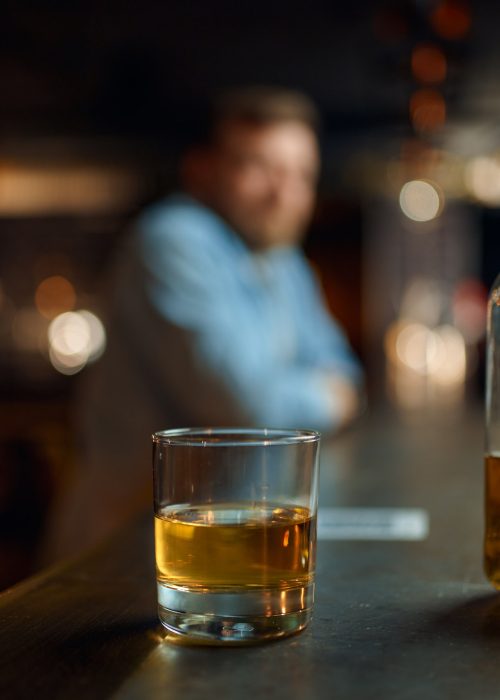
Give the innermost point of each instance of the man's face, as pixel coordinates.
(264, 180)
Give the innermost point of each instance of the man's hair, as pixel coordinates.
(262, 105)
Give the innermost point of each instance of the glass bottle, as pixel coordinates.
(492, 446)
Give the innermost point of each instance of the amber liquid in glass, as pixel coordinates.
(492, 511)
(235, 546)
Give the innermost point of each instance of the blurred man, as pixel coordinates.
(215, 317)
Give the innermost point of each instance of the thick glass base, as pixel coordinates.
(235, 618)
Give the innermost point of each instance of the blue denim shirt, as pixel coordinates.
(256, 321)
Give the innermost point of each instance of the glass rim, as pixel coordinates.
(234, 437)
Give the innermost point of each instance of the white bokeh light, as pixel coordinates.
(482, 179)
(420, 200)
(438, 353)
(413, 344)
(450, 364)
(97, 334)
(75, 338)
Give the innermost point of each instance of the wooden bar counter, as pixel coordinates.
(394, 618)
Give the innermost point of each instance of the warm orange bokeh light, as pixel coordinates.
(428, 64)
(427, 110)
(54, 295)
(451, 19)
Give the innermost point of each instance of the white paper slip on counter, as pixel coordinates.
(372, 524)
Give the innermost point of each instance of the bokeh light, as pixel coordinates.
(30, 189)
(420, 200)
(75, 338)
(54, 295)
(482, 179)
(428, 64)
(414, 345)
(448, 363)
(451, 19)
(97, 334)
(427, 110)
(436, 353)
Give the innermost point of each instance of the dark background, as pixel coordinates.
(122, 87)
